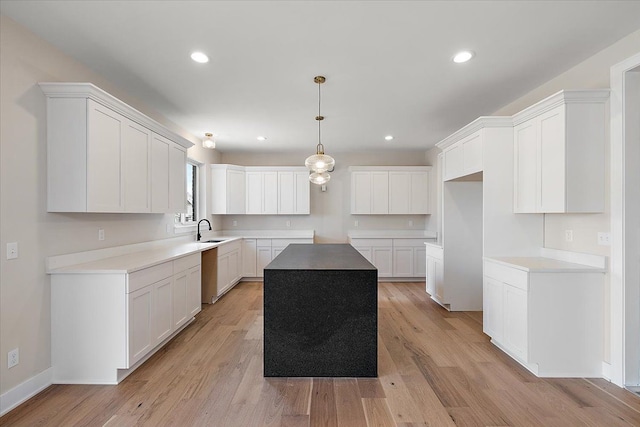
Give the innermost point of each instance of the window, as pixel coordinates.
(193, 199)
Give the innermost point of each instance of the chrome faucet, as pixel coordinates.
(199, 235)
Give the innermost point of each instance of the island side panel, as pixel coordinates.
(320, 323)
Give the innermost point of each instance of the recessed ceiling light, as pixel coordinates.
(261, 138)
(200, 57)
(463, 56)
(388, 137)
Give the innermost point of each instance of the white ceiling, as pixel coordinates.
(388, 63)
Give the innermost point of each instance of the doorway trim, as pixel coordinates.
(625, 294)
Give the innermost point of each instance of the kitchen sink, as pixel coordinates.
(213, 241)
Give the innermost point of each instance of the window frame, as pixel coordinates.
(180, 218)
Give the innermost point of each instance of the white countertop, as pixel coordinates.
(434, 245)
(544, 265)
(391, 234)
(131, 262)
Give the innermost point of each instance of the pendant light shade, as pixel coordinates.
(208, 141)
(319, 177)
(319, 164)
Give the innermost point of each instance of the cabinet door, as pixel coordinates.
(302, 194)
(493, 309)
(264, 258)
(552, 161)
(141, 326)
(235, 192)
(419, 262)
(163, 309)
(453, 162)
(365, 252)
(194, 291)
(249, 257)
(403, 262)
(234, 267)
(270, 193)
(379, 193)
(430, 278)
(399, 192)
(136, 167)
(286, 192)
(419, 196)
(104, 156)
(160, 174)
(515, 321)
(382, 259)
(525, 167)
(438, 266)
(361, 192)
(177, 179)
(223, 273)
(472, 153)
(254, 192)
(180, 299)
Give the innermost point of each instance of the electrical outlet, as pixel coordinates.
(235, 223)
(168, 228)
(604, 238)
(288, 223)
(100, 233)
(410, 223)
(356, 223)
(568, 235)
(13, 358)
(12, 250)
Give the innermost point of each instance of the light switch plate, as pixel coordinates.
(12, 250)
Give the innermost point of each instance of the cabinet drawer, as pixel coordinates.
(226, 248)
(141, 278)
(186, 262)
(372, 242)
(413, 243)
(511, 276)
(263, 242)
(283, 243)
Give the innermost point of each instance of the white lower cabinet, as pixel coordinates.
(549, 320)
(229, 266)
(249, 257)
(393, 257)
(435, 272)
(103, 325)
(267, 249)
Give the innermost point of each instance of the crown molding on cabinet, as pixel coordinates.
(90, 91)
(474, 126)
(560, 98)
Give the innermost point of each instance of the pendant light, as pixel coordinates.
(319, 164)
(208, 141)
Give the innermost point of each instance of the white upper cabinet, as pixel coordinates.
(390, 190)
(463, 151)
(104, 153)
(262, 192)
(227, 189)
(160, 148)
(177, 179)
(559, 154)
(293, 192)
(136, 167)
(100, 155)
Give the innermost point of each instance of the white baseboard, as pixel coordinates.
(25, 391)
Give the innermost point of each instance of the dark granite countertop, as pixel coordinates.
(333, 256)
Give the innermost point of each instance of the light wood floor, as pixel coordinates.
(435, 368)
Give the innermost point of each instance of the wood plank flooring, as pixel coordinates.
(435, 369)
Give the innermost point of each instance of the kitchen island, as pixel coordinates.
(320, 313)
